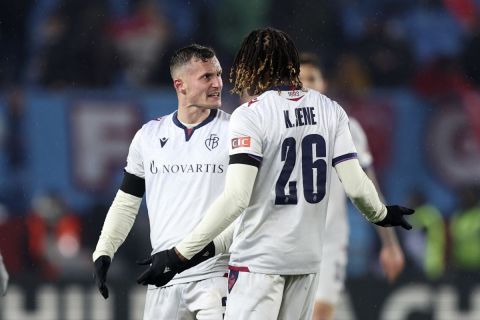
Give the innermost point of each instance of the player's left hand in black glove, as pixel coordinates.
(395, 217)
(101, 266)
(166, 264)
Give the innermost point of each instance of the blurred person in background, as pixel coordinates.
(141, 38)
(426, 244)
(76, 49)
(15, 149)
(334, 254)
(471, 51)
(350, 78)
(440, 78)
(3, 277)
(14, 17)
(465, 231)
(54, 238)
(179, 162)
(385, 53)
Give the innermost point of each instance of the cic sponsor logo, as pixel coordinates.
(241, 142)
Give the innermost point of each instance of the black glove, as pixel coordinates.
(101, 266)
(395, 217)
(206, 253)
(166, 264)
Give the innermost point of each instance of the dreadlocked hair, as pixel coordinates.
(267, 58)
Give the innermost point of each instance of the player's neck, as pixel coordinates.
(192, 115)
(245, 97)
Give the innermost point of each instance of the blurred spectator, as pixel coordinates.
(471, 103)
(463, 10)
(77, 50)
(433, 31)
(234, 19)
(387, 55)
(12, 241)
(441, 77)
(356, 15)
(54, 239)
(14, 17)
(351, 77)
(190, 22)
(15, 144)
(141, 39)
(314, 26)
(465, 231)
(15, 149)
(426, 243)
(470, 56)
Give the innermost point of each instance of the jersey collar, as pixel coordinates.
(284, 88)
(189, 132)
(293, 93)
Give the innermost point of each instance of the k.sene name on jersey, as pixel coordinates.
(300, 117)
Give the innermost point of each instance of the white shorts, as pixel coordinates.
(256, 296)
(202, 300)
(332, 276)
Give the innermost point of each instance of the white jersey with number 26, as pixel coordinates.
(298, 135)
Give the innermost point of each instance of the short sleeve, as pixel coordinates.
(134, 158)
(361, 143)
(245, 134)
(344, 149)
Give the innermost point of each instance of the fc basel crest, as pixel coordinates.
(212, 142)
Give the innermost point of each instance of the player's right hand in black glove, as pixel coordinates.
(101, 266)
(395, 217)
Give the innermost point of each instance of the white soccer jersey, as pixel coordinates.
(299, 135)
(336, 233)
(184, 171)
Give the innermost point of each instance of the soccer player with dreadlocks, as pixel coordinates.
(284, 144)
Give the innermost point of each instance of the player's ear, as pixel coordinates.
(179, 85)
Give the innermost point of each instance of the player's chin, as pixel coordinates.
(214, 103)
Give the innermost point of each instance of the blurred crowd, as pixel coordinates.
(430, 47)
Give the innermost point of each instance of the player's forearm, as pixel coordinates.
(224, 240)
(118, 223)
(387, 236)
(360, 189)
(225, 209)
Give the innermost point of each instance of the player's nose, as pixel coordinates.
(217, 82)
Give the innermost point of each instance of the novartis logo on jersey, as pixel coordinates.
(186, 168)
